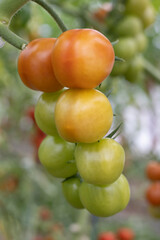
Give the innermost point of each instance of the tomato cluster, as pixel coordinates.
(77, 119)
(153, 190)
(132, 39)
(122, 234)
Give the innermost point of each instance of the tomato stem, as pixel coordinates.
(11, 37)
(50, 10)
(152, 70)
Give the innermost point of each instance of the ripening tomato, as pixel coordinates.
(125, 234)
(83, 115)
(82, 58)
(44, 112)
(107, 200)
(100, 163)
(107, 236)
(129, 26)
(35, 68)
(70, 188)
(57, 156)
(126, 48)
(153, 194)
(153, 171)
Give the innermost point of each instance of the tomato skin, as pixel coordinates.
(129, 26)
(136, 7)
(83, 115)
(100, 163)
(56, 155)
(44, 112)
(119, 68)
(125, 234)
(107, 236)
(135, 67)
(105, 201)
(148, 16)
(82, 58)
(71, 191)
(141, 41)
(153, 194)
(35, 68)
(121, 48)
(153, 171)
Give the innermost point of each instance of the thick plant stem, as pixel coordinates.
(8, 8)
(11, 37)
(152, 70)
(52, 13)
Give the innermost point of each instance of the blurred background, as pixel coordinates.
(32, 206)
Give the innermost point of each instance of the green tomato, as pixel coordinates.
(126, 48)
(129, 26)
(148, 16)
(135, 67)
(70, 189)
(141, 41)
(100, 163)
(44, 112)
(105, 201)
(119, 68)
(57, 156)
(136, 7)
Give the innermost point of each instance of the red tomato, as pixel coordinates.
(153, 171)
(153, 194)
(107, 236)
(35, 68)
(125, 234)
(45, 213)
(82, 58)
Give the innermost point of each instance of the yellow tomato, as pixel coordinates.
(83, 115)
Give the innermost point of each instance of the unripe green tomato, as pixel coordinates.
(44, 112)
(135, 67)
(105, 201)
(70, 189)
(57, 156)
(129, 26)
(141, 41)
(119, 68)
(100, 163)
(126, 48)
(148, 16)
(136, 7)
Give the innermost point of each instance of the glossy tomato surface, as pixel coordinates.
(70, 188)
(125, 234)
(153, 194)
(153, 171)
(82, 58)
(83, 115)
(35, 68)
(57, 156)
(44, 112)
(105, 201)
(100, 163)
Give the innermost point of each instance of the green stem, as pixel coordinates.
(11, 37)
(151, 69)
(52, 13)
(8, 8)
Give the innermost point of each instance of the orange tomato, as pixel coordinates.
(82, 58)
(153, 171)
(125, 234)
(83, 115)
(35, 68)
(153, 194)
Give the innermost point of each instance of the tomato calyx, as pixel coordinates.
(114, 132)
